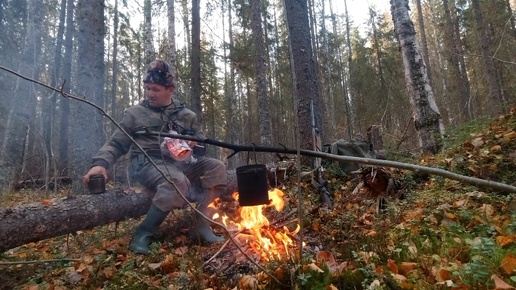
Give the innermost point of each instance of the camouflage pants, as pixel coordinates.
(202, 175)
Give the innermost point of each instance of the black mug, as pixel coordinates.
(97, 184)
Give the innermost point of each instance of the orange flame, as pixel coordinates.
(268, 242)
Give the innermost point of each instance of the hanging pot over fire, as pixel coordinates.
(252, 185)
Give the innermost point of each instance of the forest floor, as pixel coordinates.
(435, 233)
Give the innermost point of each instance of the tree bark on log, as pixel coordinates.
(59, 216)
(51, 218)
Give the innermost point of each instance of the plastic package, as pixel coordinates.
(179, 149)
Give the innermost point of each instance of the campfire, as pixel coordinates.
(255, 233)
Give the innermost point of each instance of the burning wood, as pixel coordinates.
(256, 236)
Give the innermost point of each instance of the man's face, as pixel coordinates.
(158, 95)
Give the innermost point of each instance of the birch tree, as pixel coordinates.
(349, 98)
(424, 44)
(424, 108)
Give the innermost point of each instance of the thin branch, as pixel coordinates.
(38, 262)
(217, 253)
(350, 159)
(495, 58)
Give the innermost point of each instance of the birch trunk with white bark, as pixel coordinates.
(424, 108)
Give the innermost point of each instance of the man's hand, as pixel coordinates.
(191, 143)
(94, 171)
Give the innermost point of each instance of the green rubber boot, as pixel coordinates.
(142, 237)
(201, 228)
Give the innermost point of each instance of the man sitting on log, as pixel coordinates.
(200, 179)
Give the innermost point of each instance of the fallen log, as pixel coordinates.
(59, 216)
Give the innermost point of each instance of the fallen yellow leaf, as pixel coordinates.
(505, 241)
(47, 202)
(443, 275)
(371, 233)
(314, 267)
(89, 260)
(496, 148)
(399, 277)
(477, 142)
(487, 209)
(509, 263)
(407, 267)
(416, 214)
(325, 257)
(168, 263)
(450, 216)
(392, 266)
(498, 229)
(109, 272)
(509, 136)
(155, 266)
(500, 284)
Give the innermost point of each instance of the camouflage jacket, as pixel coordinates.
(141, 117)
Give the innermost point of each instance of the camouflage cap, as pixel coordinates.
(159, 72)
